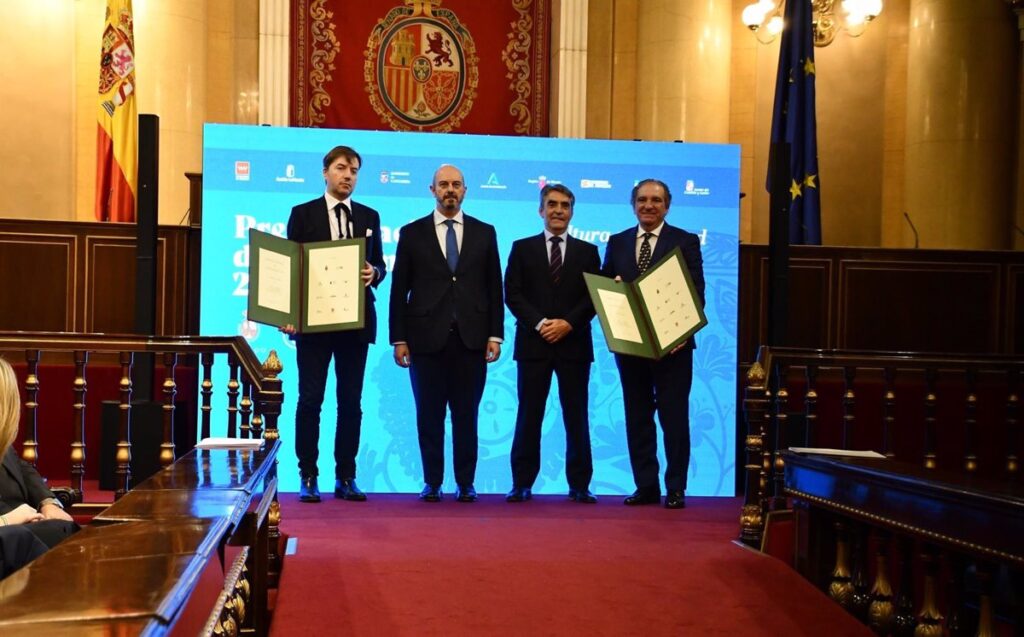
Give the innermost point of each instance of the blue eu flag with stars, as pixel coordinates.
(794, 122)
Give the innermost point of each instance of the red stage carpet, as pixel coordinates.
(397, 566)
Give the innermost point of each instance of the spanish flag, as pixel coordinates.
(117, 141)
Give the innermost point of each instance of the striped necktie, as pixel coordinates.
(556, 259)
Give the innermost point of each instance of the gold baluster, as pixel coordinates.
(930, 402)
(1012, 424)
(169, 389)
(30, 448)
(811, 406)
(124, 445)
(207, 392)
(841, 588)
(849, 405)
(245, 408)
(81, 358)
(232, 395)
(888, 411)
(881, 611)
(929, 620)
(971, 421)
(271, 397)
(752, 515)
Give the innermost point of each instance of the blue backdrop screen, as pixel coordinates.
(254, 175)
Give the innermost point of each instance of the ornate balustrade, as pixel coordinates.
(936, 524)
(253, 392)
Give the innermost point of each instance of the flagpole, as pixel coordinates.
(778, 243)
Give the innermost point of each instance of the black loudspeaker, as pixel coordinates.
(147, 430)
(145, 251)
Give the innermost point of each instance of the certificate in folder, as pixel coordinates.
(317, 287)
(652, 315)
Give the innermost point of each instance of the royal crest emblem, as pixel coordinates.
(421, 68)
(117, 61)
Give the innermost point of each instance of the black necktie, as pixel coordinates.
(341, 214)
(644, 261)
(556, 258)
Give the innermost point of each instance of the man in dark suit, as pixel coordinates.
(330, 217)
(447, 323)
(545, 289)
(662, 385)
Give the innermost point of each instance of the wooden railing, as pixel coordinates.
(921, 536)
(949, 411)
(253, 391)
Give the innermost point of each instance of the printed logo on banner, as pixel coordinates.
(395, 177)
(289, 176)
(421, 68)
(241, 171)
(603, 184)
(692, 190)
(493, 183)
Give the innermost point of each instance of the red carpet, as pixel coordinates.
(397, 566)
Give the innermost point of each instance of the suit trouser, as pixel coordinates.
(313, 356)
(451, 378)
(662, 386)
(534, 381)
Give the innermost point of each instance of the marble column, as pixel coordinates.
(569, 72)
(274, 78)
(682, 60)
(170, 46)
(961, 95)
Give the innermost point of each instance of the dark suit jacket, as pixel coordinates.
(308, 222)
(620, 256)
(426, 296)
(20, 477)
(531, 296)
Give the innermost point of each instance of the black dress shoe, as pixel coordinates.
(518, 494)
(308, 491)
(430, 493)
(582, 495)
(465, 493)
(347, 490)
(643, 496)
(675, 500)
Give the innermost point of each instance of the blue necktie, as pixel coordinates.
(451, 246)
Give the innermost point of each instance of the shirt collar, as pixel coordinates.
(440, 218)
(332, 201)
(656, 232)
(548, 234)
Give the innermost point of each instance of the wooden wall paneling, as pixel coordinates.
(40, 281)
(1014, 312)
(810, 303)
(920, 306)
(110, 285)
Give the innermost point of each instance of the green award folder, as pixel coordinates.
(317, 287)
(652, 315)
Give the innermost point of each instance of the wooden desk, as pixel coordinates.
(154, 561)
(979, 517)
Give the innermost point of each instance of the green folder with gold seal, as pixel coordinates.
(648, 317)
(317, 287)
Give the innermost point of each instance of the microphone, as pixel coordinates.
(912, 228)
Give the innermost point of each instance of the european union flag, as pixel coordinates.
(794, 122)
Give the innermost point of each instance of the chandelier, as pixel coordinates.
(828, 17)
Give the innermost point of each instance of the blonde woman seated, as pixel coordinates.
(31, 518)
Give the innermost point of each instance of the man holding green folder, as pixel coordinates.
(655, 385)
